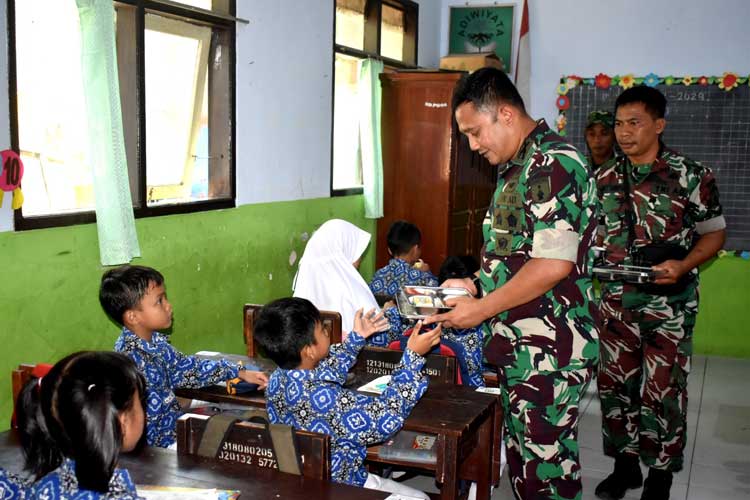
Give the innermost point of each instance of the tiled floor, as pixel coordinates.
(717, 453)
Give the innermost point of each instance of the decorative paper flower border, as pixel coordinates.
(727, 82)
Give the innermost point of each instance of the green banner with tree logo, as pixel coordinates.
(482, 29)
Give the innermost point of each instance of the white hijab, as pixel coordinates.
(326, 275)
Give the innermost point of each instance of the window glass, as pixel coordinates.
(52, 129)
(350, 23)
(347, 167)
(176, 114)
(392, 33)
(356, 28)
(182, 109)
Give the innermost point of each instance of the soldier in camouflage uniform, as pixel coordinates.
(535, 272)
(654, 202)
(600, 138)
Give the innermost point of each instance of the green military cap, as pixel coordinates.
(606, 118)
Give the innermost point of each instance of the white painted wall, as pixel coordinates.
(586, 37)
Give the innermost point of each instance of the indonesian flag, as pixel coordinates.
(523, 59)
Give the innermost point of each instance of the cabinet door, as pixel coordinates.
(416, 137)
(474, 183)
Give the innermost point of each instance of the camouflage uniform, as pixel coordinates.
(646, 340)
(545, 350)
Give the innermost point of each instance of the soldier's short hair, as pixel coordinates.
(485, 89)
(653, 100)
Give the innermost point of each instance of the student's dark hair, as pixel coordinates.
(485, 88)
(383, 298)
(652, 99)
(123, 288)
(73, 412)
(284, 327)
(402, 236)
(458, 266)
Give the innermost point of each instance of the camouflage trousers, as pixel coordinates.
(541, 431)
(644, 364)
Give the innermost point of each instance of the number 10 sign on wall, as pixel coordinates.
(11, 173)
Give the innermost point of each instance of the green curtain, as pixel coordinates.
(368, 96)
(118, 242)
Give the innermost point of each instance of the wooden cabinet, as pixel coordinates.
(430, 175)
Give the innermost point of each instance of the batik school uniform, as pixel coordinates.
(315, 400)
(62, 484)
(167, 369)
(397, 273)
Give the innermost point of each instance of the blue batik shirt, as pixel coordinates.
(397, 273)
(167, 369)
(315, 400)
(62, 484)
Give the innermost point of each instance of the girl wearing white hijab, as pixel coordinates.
(328, 276)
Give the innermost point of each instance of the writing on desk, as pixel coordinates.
(247, 454)
(377, 367)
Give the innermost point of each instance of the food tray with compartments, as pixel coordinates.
(417, 302)
(630, 274)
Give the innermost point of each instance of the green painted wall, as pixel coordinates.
(213, 263)
(724, 314)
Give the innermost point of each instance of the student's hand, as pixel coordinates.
(253, 377)
(370, 322)
(389, 305)
(422, 266)
(421, 344)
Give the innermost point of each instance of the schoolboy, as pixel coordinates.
(405, 266)
(135, 297)
(307, 392)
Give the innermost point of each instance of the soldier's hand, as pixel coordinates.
(669, 272)
(465, 314)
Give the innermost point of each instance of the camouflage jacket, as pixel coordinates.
(670, 200)
(544, 207)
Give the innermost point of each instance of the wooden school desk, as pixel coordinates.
(463, 420)
(158, 466)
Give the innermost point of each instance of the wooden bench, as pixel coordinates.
(249, 444)
(331, 321)
(19, 377)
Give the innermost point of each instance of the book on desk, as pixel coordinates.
(180, 493)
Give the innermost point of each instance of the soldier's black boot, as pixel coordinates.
(657, 485)
(627, 475)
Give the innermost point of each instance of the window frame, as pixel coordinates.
(185, 13)
(372, 41)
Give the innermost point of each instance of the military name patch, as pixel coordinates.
(511, 199)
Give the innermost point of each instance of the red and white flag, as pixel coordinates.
(523, 59)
